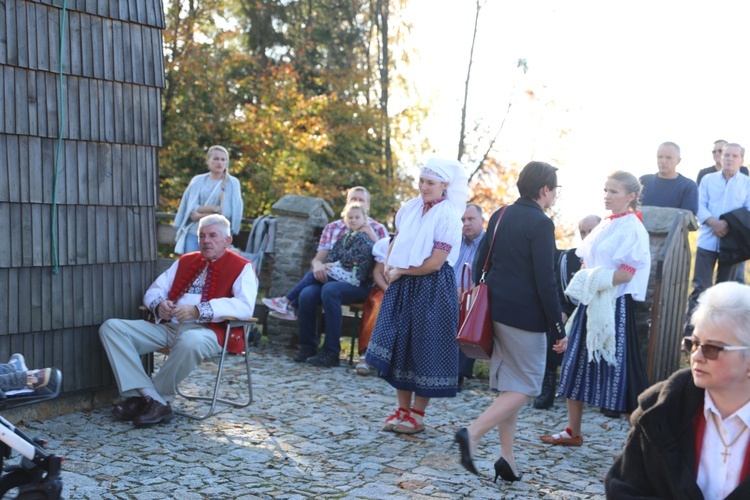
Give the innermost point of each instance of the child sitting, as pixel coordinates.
(350, 261)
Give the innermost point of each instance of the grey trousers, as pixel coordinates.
(126, 340)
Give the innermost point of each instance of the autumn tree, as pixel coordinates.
(297, 92)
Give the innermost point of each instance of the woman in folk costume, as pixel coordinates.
(413, 345)
(689, 438)
(602, 365)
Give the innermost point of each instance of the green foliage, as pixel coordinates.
(287, 90)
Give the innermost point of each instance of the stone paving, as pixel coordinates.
(315, 433)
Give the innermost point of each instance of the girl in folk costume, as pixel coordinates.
(413, 344)
(602, 365)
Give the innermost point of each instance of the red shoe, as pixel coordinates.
(395, 419)
(412, 423)
(565, 438)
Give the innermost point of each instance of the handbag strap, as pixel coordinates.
(492, 243)
(465, 277)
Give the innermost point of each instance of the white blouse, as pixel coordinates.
(418, 234)
(617, 243)
(718, 477)
(380, 249)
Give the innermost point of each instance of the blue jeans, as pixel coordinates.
(307, 280)
(332, 295)
(191, 243)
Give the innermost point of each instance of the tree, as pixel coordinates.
(297, 91)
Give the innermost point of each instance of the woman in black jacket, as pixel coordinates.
(689, 436)
(524, 305)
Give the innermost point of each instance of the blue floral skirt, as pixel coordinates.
(615, 387)
(413, 345)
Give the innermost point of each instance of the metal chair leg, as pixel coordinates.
(214, 398)
(355, 335)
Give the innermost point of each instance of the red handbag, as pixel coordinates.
(475, 335)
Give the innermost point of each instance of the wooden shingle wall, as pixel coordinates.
(106, 191)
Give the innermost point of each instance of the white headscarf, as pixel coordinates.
(418, 233)
(452, 172)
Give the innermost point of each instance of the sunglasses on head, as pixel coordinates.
(710, 351)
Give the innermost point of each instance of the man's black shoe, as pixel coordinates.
(609, 413)
(460, 386)
(544, 401)
(155, 413)
(129, 409)
(549, 386)
(325, 359)
(304, 353)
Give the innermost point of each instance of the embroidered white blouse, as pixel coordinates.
(618, 243)
(418, 234)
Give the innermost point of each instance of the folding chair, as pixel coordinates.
(214, 397)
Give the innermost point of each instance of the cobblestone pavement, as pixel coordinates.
(315, 433)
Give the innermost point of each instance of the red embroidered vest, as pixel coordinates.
(220, 277)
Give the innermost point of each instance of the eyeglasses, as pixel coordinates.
(710, 351)
(716, 151)
(558, 188)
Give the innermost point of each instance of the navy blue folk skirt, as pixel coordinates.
(413, 345)
(615, 387)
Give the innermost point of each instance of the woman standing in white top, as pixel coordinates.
(413, 344)
(619, 244)
(215, 192)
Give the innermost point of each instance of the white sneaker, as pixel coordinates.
(278, 304)
(363, 368)
(287, 315)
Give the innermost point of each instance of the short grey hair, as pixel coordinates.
(726, 304)
(735, 145)
(675, 146)
(479, 209)
(215, 220)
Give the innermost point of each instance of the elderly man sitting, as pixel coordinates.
(188, 300)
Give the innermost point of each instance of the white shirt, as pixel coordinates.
(717, 196)
(380, 249)
(240, 306)
(617, 242)
(418, 234)
(717, 478)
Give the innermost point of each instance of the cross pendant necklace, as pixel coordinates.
(726, 446)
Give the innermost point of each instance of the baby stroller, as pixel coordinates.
(37, 475)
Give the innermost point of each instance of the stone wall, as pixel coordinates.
(300, 221)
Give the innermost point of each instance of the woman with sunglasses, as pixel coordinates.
(689, 437)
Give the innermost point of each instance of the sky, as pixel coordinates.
(610, 82)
